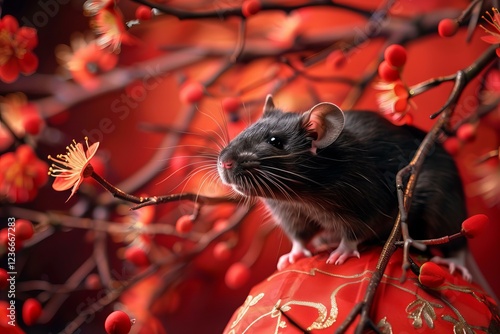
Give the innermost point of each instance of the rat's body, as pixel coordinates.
(325, 173)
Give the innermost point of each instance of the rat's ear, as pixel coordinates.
(325, 121)
(268, 105)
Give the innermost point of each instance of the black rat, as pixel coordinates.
(329, 174)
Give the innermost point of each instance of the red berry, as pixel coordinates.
(220, 224)
(24, 229)
(431, 275)
(137, 256)
(93, 282)
(336, 59)
(466, 132)
(5, 242)
(250, 7)
(447, 27)
(31, 311)
(395, 55)
(143, 13)
(191, 92)
(231, 104)
(117, 322)
(387, 72)
(473, 225)
(452, 145)
(184, 224)
(237, 275)
(222, 251)
(3, 279)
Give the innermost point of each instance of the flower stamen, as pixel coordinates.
(71, 168)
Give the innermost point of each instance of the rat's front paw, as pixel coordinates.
(453, 265)
(345, 250)
(298, 252)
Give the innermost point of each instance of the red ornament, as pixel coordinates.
(313, 296)
(250, 7)
(395, 55)
(191, 92)
(31, 311)
(184, 224)
(473, 225)
(237, 275)
(387, 72)
(447, 27)
(143, 13)
(118, 322)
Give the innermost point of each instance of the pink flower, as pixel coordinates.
(85, 60)
(494, 21)
(395, 100)
(71, 168)
(22, 174)
(16, 45)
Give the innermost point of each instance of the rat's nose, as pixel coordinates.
(228, 164)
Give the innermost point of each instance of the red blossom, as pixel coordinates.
(394, 101)
(494, 21)
(109, 25)
(20, 118)
(22, 174)
(85, 60)
(16, 45)
(92, 7)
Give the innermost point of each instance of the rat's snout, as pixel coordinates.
(227, 164)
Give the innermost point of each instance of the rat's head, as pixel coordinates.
(270, 157)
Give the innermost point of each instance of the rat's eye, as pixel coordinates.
(276, 142)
